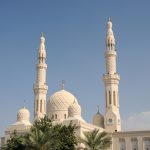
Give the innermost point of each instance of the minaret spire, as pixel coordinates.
(110, 39)
(40, 88)
(111, 82)
(42, 51)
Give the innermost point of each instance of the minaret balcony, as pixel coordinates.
(110, 53)
(111, 78)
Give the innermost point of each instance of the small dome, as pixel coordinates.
(74, 110)
(61, 100)
(98, 120)
(23, 115)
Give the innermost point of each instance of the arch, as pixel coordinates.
(65, 116)
(106, 98)
(146, 142)
(109, 97)
(37, 104)
(40, 106)
(55, 116)
(52, 116)
(44, 106)
(134, 143)
(114, 97)
(122, 144)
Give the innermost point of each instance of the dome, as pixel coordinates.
(61, 100)
(98, 120)
(23, 115)
(74, 110)
(59, 103)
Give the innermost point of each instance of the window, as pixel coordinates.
(44, 106)
(55, 116)
(37, 104)
(109, 97)
(134, 143)
(110, 120)
(52, 116)
(146, 141)
(40, 106)
(114, 97)
(65, 116)
(122, 144)
(106, 97)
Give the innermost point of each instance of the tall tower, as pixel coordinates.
(111, 81)
(40, 88)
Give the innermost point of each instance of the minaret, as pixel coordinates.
(111, 81)
(40, 88)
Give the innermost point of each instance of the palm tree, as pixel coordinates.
(39, 137)
(95, 140)
(38, 140)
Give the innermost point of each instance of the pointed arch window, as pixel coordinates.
(114, 97)
(37, 104)
(134, 143)
(109, 97)
(55, 116)
(40, 106)
(106, 97)
(52, 117)
(122, 144)
(44, 106)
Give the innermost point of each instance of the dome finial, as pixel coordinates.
(97, 109)
(109, 19)
(62, 85)
(24, 103)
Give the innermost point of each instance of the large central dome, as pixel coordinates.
(59, 103)
(61, 100)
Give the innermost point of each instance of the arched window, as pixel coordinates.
(40, 106)
(114, 97)
(65, 116)
(44, 106)
(106, 97)
(134, 143)
(37, 105)
(109, 97)
(122, 144)
(55, 116)
(52, 116)
(146, 141)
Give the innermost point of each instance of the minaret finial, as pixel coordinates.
(110, 39)
(62, 85)
(42, 34)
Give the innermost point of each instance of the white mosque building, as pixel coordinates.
(63, 106)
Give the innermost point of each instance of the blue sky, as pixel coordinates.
(75, 33)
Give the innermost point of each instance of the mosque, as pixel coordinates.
(64, 107)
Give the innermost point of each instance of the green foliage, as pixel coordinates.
(42, 124)
(95, 140)
(44, 136)
(39, 137)
(16, 142)
(64, 136)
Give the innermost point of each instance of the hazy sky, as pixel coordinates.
(75, 33)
